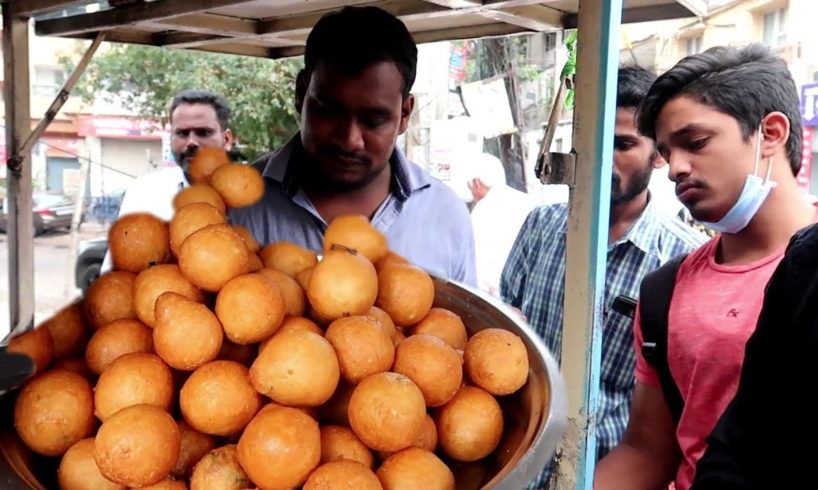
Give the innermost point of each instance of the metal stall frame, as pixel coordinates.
(203, 25)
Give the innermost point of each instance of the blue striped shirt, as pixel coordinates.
(533, 280)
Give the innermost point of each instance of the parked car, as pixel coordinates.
(90, 255)
(49, 211)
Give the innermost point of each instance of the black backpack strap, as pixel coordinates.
(655, 295)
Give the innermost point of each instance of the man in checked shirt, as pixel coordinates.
(640, 239)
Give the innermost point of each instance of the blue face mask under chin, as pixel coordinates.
(752, 196)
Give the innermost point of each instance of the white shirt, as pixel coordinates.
(152, 193)
(497, 219)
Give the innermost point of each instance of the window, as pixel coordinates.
(775, 28)
(48, 80)
(694, 45)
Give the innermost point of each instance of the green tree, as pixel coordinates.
(145, 79)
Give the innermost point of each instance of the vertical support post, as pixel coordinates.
(20, 227)
(587, 235)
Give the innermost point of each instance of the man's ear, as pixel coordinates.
(302, 82)
(776, 130)
(406, 113)
(658, 160)
(228, 139)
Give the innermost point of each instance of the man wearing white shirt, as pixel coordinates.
(198, 119)
(497, 216)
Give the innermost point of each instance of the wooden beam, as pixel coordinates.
(467, 32)
(641, 14)
(238, 49)
(457, 4)
(30, 8)
(533, 17)
(217, 25)
(141, 12)
(19, 226)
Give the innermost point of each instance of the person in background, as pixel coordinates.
(497, 215)
(728, 123)
(198, 119)
(353, 96)
(640, 239)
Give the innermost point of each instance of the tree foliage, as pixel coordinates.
(144, 79)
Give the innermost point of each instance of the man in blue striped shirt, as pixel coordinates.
(640, 239)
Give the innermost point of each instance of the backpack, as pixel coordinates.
(655, 294)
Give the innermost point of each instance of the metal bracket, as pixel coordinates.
(15, 161)
(557, 168)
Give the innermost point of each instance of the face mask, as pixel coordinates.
(752, 196)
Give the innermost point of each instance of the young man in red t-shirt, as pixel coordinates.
(727, 121)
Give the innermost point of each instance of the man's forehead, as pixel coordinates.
(380, 79)
(194, 116)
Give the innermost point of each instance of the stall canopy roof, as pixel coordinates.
(279, 28)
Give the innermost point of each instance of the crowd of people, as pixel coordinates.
(692, 396)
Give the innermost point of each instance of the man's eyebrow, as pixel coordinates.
(688, 129)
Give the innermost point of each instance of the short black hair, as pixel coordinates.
(355, 38)
(216, 101)
(632, 86)
(745, 83)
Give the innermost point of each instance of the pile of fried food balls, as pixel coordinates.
(206, 361)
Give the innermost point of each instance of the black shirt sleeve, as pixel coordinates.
(765, 438)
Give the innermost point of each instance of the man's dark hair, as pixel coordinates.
(744, 83)
(217, 102)
(632, 86)
(355, 38)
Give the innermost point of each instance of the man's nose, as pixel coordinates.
(678, 165)
(351, 137)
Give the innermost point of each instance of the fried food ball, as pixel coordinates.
(219, 399)
(79, 471)
(116, 339)
(137, 241)
(187, 334)
(198, 193)
(343, 475)
(239, 185)
(497, 361)
(205, 162)
(293, 294)
(287, 257)
(151, 283)
(54, 411)
(193, 447)
(69, 335)
(137, 446)
(433, 365)
(296, 368)
(356, 232)
(280, 447)
(387, 411)
(250, 307)
(415, 468)
(134, 379)
(339, 442)
(362, 346)
(470, 426)
(36, 344)
(110, 298)
(212, 256)
(342, 284)
(406, 293)
(191, 219)
(444, 324)
(220, 470)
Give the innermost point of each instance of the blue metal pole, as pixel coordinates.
(587, 234)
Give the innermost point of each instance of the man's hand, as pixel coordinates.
(648, 456)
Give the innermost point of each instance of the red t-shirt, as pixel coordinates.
(713, 312)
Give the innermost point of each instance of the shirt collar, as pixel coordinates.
(406, 176)
(644, 232)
